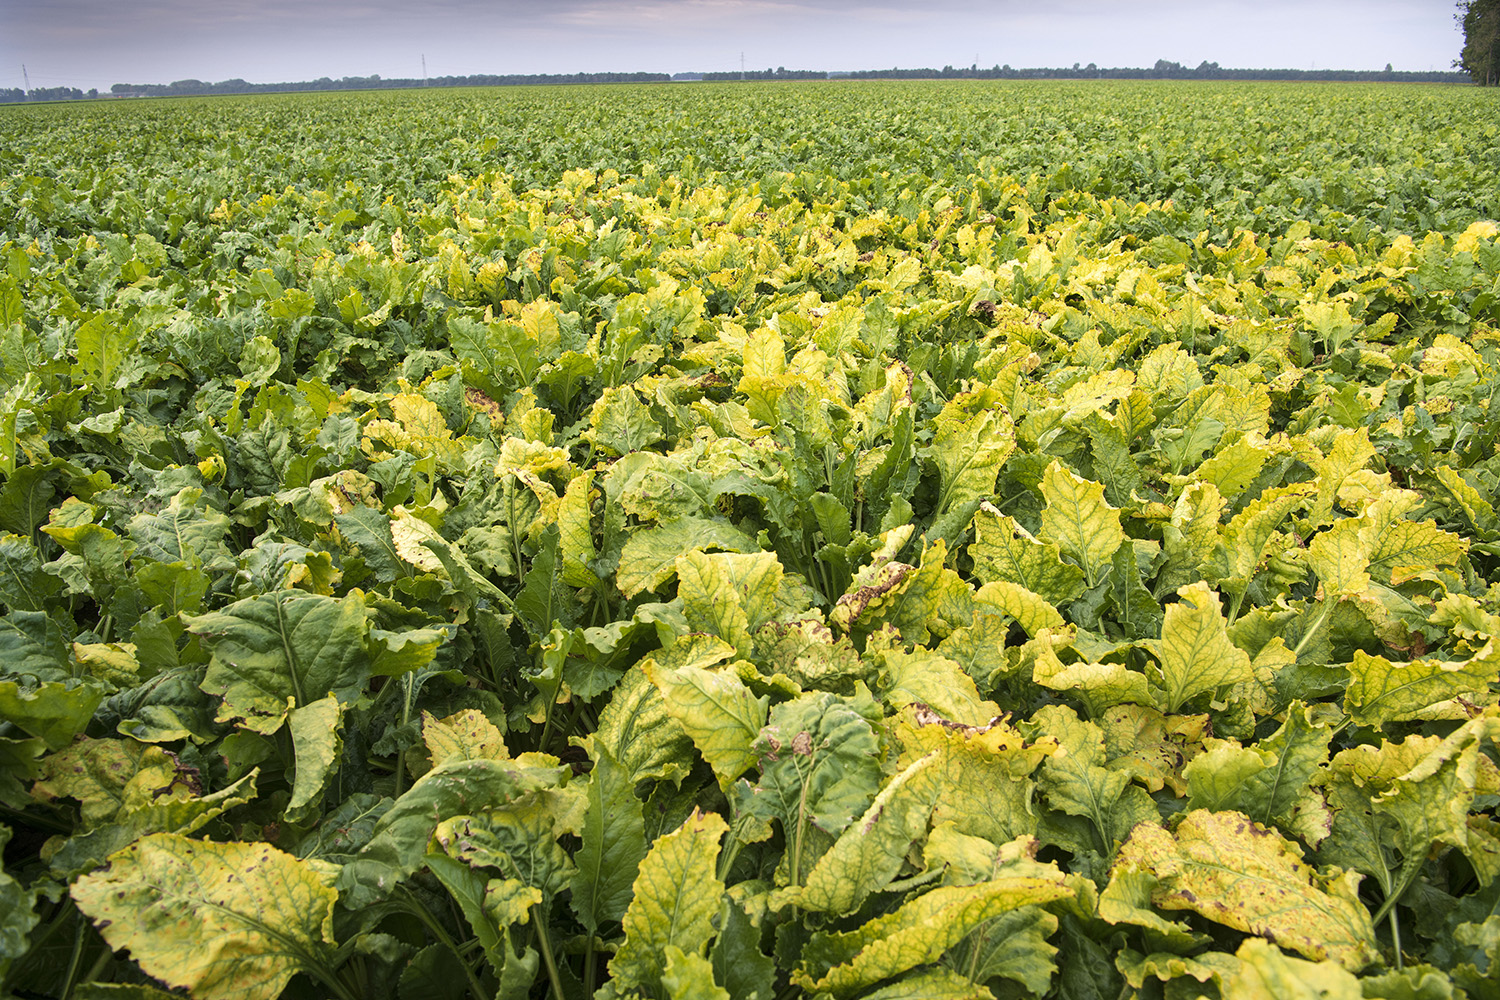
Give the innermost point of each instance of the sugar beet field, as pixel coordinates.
(881, 541)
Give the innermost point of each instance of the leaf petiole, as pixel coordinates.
(419, 911)
(546, 942)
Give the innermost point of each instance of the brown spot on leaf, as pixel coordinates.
(480, 401)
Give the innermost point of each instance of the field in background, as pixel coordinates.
(855, 540)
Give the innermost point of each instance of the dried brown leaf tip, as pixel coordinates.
(924, 715)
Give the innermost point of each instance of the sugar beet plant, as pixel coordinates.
(618, 586)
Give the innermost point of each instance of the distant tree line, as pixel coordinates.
(779, 73)
(10, 95)
(1163, 70)
(1480, 57)
(192, 88)
(1485, 15)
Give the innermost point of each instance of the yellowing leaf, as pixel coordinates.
(932, 984)
(1076, 781)
(676, 896)
(1401, 549)
(1078, 519)
(917, 933)
(1127, 900)
(574, 522)
(619, 423)
(1265, 781)
(224, 921)
(926, 678)
(54, 711)
(649, 558)
(992, 763)
(717, 712)
(727, 594)
(282, 648)
(1247, 535)
(1240, 874)
(1234, 468)
(870, 852)
(1350, 452)
(689, 977)
(110, 775)
(1003, 551)
(932, 601)
(1381, 691)
(1099, 685)
(1196, 654)
(1152, 748)
(315, 744)
(1459, 496)
(1031, 611)
(465, 735)
(1189, 538)
(636, 731)
(972, 437)
(1340, 558)
(1264, 973)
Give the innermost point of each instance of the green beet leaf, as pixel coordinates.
(614, 843)
(278, 651)
(17, 904)
(819, 765)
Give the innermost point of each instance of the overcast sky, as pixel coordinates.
(96, 43)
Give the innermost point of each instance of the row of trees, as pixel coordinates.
(1480, 57)
(1163, 70)
(1480, 60)
(11, 95)
(193, 88)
